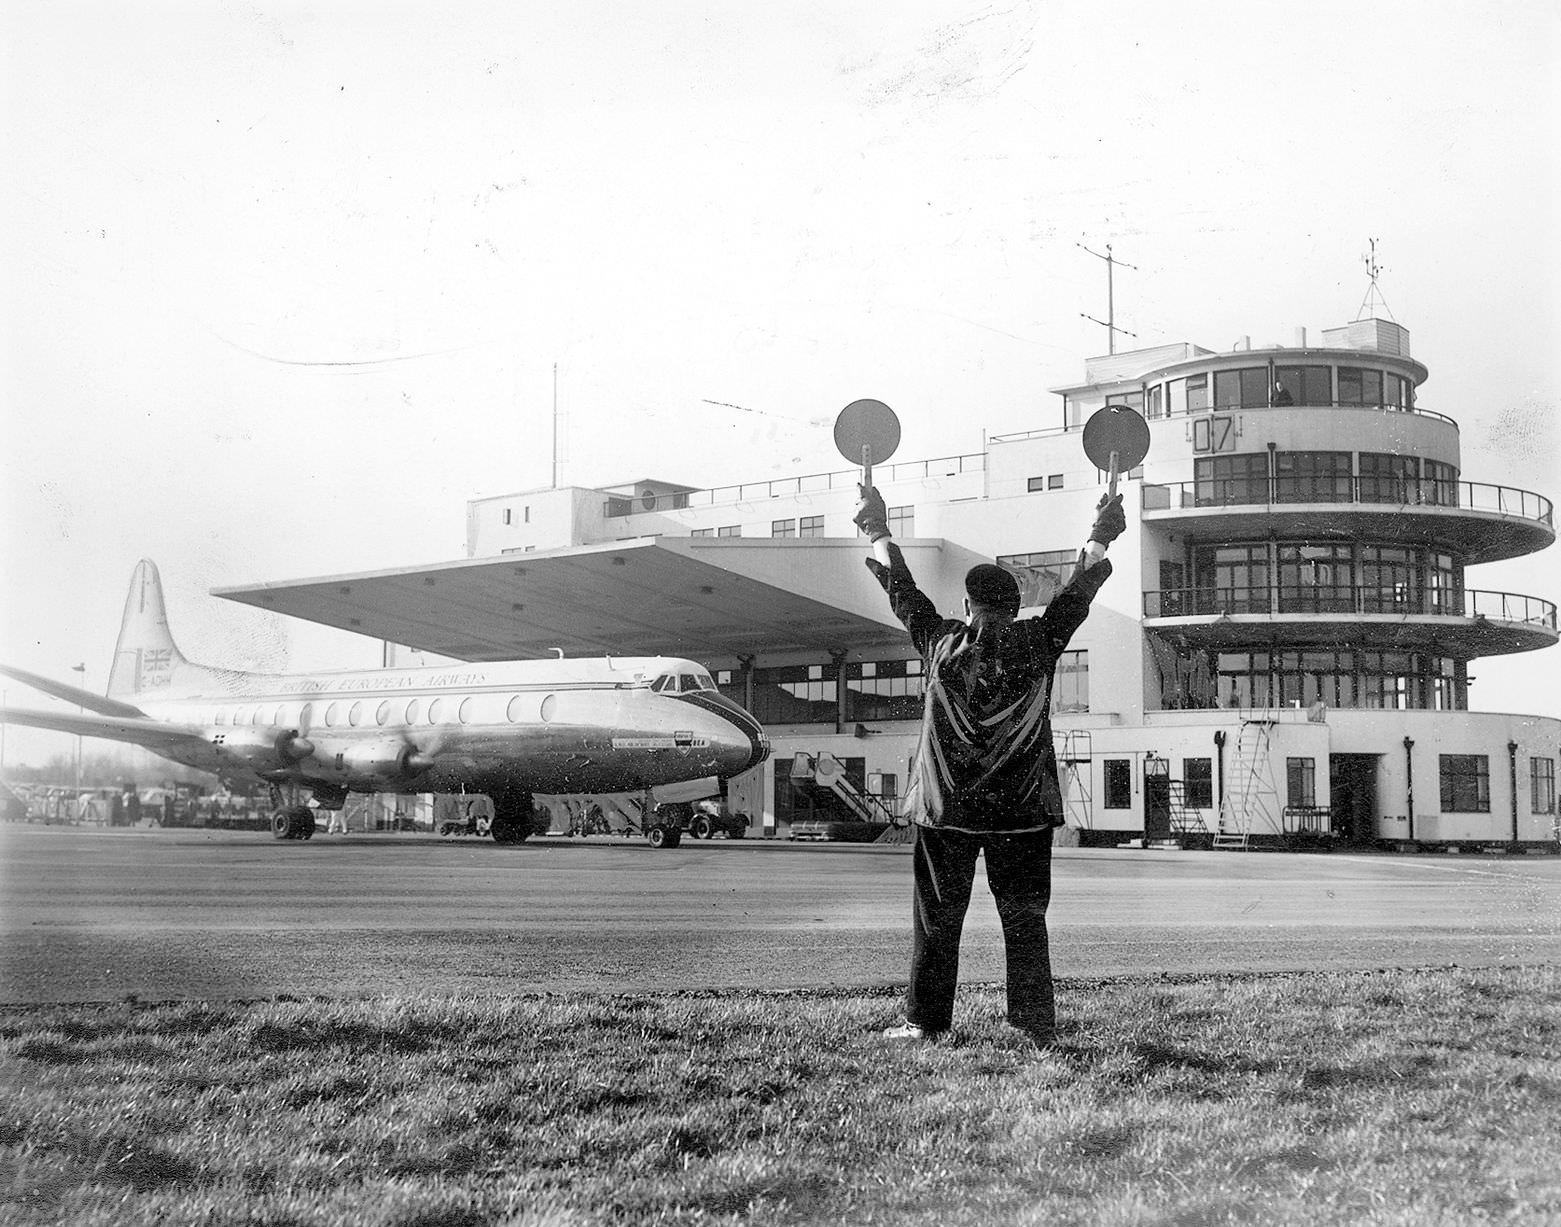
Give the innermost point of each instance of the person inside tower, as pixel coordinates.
(984, 779)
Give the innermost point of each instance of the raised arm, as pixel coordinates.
(1070, 607)
(911, 606)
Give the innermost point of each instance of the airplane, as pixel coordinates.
(507, 729)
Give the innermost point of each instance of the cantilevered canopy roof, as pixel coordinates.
(704, 598)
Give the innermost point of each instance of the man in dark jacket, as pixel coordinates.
(985, 773)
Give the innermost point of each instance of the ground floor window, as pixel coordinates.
(1301, 781)
(1542, 785)
(1119, 783)
(1466, 783)
(1198, 782)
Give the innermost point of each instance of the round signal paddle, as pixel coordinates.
(1115, 439)
(866, 431)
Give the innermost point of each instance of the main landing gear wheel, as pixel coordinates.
(294, 822)
(514, 816)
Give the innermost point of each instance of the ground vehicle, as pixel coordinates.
(711, 817)
(703, 819)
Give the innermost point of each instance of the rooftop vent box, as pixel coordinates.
(1113, 368)
(1384, 336)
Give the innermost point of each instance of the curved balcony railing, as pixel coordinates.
(1348, 600)
(1380, 491)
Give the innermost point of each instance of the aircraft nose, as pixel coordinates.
(758, 739)
(761, 747)
(750, 730)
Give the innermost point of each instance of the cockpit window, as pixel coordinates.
(682, 683)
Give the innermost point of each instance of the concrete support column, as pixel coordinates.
(837, 667)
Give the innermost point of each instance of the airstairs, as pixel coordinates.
(826, 777)
(1251, 796)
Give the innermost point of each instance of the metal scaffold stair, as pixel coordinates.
(1185, 819)
(1251, 795)
(1075, 752)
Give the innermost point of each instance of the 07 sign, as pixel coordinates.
(1213, 434)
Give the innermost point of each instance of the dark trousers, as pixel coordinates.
(1019, 870)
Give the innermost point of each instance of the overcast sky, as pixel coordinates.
(285, 284)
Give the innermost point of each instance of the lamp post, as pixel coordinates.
(81, 669)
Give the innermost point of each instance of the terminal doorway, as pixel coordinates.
(1352, 796)
(1157, 798)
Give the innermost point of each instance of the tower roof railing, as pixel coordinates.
(1049, 431)
(811, 483)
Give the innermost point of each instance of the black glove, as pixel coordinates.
(1110, 521)
(872, 517)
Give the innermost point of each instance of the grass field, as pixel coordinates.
(1414, 1098)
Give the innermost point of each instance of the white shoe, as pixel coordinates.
(913, 1032)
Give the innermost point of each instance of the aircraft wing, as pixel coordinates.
(74, 694)
(155, 735)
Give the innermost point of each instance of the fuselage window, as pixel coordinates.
(549, 707)
(241, 716)
(332, 714)
(382, 714)
(464, 712)
(516, 711)
(435, 710)
(220, 716)
(305, 716)
(414, 706)
(355, 714)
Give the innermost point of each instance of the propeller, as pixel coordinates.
(292, 748)
(416, 758)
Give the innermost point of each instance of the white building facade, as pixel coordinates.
(1281, 656)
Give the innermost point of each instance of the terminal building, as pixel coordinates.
(1282, 654)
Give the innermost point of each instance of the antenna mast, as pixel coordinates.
(1373, 297)
(1110, 322)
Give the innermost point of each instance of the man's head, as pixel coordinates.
(991, 589)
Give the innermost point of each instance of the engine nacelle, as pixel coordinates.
(380, 760)
(264, 750)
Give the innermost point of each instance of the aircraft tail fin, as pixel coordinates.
(147, 662)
